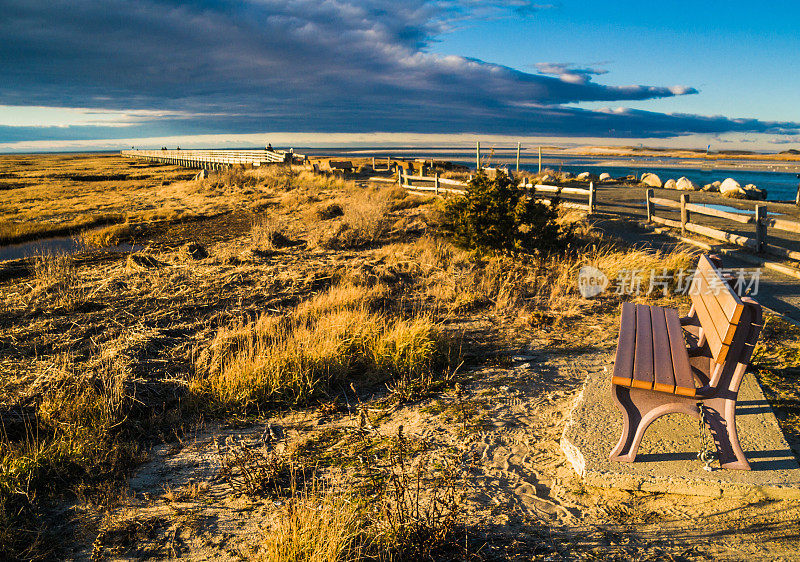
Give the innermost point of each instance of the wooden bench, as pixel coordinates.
(666, 364)
(341, 166)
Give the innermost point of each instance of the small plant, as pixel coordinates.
(253, 470)
(495, 214)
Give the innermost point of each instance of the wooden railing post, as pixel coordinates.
(761, 227)
(684, 211)
(648, 195)
(592, 197)
(436, 182)
(400, 176)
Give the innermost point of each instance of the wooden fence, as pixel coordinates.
(441, 185)
(213, 159)
(757, 242)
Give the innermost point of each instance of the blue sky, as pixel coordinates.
(111, 73)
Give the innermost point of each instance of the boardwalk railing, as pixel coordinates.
(440, 185)
(757, 242)
(213, 158)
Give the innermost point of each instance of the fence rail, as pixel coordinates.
(440, 185)
(757, 242)
(213, 158)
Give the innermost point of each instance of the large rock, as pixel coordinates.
(670, 184)
(685, 184)
(651, 179)
(754, 192)
(605, 176)
(712, 187)
(566, 176)
(546, 179)
(587, 176)
(730, 188)
(201, 175)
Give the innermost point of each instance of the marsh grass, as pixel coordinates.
(56, 282)
(336, 337)
(363, 222)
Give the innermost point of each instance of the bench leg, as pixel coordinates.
(625, 451)
(720, 416)
(639, 409)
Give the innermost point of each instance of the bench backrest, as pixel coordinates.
(718, 308)
(340, 164)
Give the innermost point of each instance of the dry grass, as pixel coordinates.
(363, 222)
(314, 527)
(335, 337)
(56, 282)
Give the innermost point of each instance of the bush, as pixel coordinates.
(496, 214)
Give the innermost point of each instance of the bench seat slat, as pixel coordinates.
(623, 364)
(643, 356)
(662, 355)
(684, 382)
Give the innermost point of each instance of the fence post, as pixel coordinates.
(761, 227)
(517, 157)
(648, 194)
(540, 159)
(592, 197)
(478, 156)
(400, 176)
(436, 182)
(684, 212)
(373, 163)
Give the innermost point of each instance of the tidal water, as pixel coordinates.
(55, 245)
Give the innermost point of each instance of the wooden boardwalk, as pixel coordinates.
(214, 159)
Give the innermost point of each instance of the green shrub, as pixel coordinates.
(496, 214)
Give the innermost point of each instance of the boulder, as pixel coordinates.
(605, 176)
(587, 176)
(685, 184)
(730, 188)
(754, 192)
(670, 184)
(710, 187)
(651, 179)
(547, 178)
(201, 175)
(566, 176)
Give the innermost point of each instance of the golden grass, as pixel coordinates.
(314, 528)
(334, 337)
(56, 282)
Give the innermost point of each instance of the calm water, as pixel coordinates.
(56, 245)
(780, 186)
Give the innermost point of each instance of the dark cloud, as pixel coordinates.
(304, 65)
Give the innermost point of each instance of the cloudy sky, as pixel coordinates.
(110, 73)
